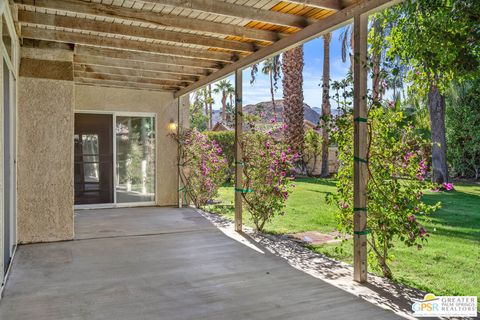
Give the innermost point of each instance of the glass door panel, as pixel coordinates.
(8, 217)
(93, 158)
(135, 159)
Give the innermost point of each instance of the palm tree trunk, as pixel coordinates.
(292, 67)
(326, 109)
(205, 102)
(376, 89)
(272, 93)
(224, 107)
(232, 106)
(352, 58)
(436, 110)
(210, 102)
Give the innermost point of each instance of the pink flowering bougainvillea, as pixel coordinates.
(396, 182)
(202, 166)
(267, 168)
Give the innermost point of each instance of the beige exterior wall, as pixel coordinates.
(163, 104)
(332, 163)
(45, 160)
(47, 101)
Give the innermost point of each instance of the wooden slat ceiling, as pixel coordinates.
(163, 44)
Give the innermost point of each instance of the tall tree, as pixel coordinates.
(198, 118)
(376, 57)
(292, 68)
(326, 109)
(271, 67)
(440, 41)
(224, 87)
(346, 39)
(210, 108)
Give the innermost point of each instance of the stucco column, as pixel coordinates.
(45, 145)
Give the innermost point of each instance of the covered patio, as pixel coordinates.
(131, 65)
(161, 263)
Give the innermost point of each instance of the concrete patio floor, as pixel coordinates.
(165, 263)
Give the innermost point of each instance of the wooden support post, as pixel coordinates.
(238, 150)
(180, 185)
(183, 123)
(360, 112)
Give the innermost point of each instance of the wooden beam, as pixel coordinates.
(360, 176)
(102, 41)
(238, 11)
(140, 65)
(147, 57)
(326, 25)
(159, 19)
(133, 73)
(51, 45)
(123, 84)
(115, 77)
(238, 150)
(132, 31)
(321, 4)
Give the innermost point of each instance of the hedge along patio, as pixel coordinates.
(77, 55)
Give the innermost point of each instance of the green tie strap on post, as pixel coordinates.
(364, 232)
(240, 163)
(184, 191)
(243, 190)
(359, 119)
(360, 209)
(358, 159)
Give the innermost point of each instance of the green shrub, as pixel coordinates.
(267, 166)
(202, 166)
(463, 130)
(396, 182)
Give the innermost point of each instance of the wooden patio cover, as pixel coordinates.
(176, 45)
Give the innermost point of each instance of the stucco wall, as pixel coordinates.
(332, 162)
(45, 160)
(163, 104)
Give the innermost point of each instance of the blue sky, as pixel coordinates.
(312, 75)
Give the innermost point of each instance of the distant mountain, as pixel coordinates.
(265, 110)
(335, 112)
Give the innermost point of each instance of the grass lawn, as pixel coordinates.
(449, 264)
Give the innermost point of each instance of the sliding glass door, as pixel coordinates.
(114, 159)
(135, 159)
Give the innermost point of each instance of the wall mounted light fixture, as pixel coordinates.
(172, 126)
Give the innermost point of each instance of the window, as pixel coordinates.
(135, 159)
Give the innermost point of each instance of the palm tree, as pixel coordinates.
(377, 46)
(346, 38)
(347, 41)
(210, 104)
(292, 67)
(326, 109)
(272, 68)
(224, 87)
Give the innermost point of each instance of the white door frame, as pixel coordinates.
(12, 64)
(116, 114)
